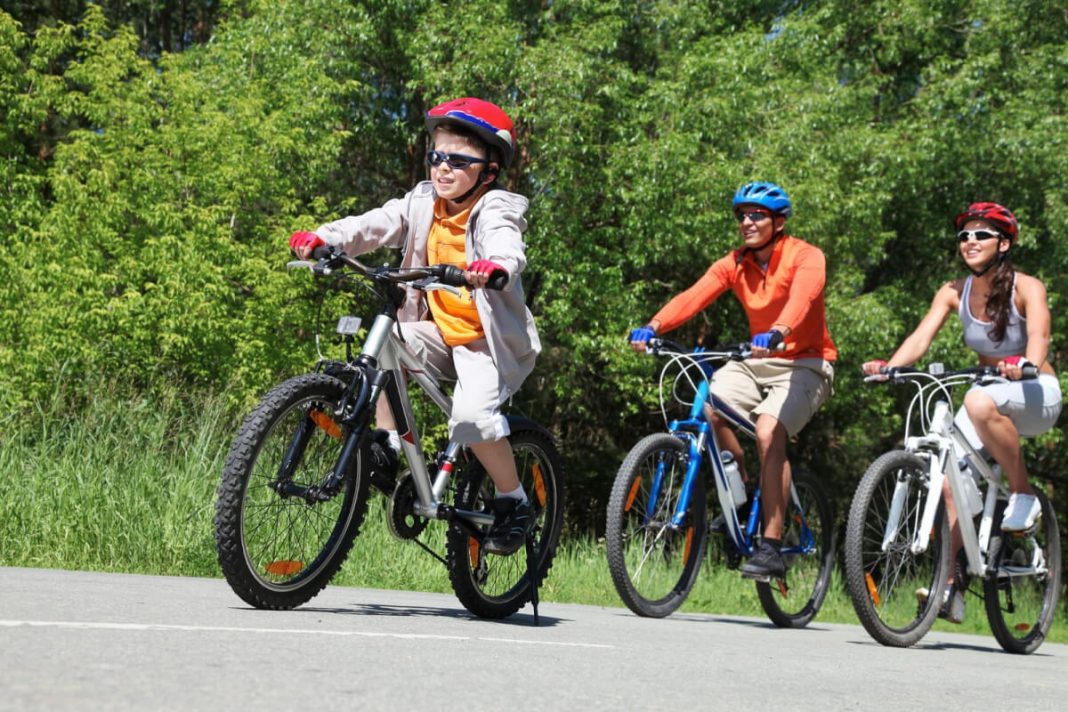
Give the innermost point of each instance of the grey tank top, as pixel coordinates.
(976, 334)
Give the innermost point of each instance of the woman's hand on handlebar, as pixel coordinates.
(1015, 368)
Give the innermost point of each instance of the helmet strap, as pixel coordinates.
(994, 261)
(481, 181)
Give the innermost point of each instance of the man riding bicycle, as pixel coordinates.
(779, 281)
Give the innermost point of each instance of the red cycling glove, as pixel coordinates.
(305, 239)
(1020, 361)
(487, 267)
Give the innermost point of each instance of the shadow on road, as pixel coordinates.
(521, 618)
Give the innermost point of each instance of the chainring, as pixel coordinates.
(403, 522)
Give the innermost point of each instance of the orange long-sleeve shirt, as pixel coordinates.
(788, 291)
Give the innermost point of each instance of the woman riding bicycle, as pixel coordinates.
(485, 339)
(1006, 320)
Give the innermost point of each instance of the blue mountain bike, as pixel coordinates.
(657, 527)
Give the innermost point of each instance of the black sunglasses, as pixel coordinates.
(455, 160)
(753, 215)
(981, 235)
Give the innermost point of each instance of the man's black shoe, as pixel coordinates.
(512, 521)
(384, 462)
(767, 563)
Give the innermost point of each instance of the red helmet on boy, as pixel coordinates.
(487, 120)
(997, 215)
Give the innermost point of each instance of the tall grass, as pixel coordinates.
(127, 484)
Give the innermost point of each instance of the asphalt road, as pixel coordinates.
(88, 641)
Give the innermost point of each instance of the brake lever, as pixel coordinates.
(431, 284)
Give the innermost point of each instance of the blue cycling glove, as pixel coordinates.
(642, 333)
(769, 340)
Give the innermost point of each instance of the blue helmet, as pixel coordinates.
(766, 195)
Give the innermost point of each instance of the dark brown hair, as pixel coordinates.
(999, 300)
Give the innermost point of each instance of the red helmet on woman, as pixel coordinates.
(487, 120)
(997, 215)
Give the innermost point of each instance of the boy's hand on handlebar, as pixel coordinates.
(764, 344)
(640, 337)
(479, 272)
(1012, 367)
(303, 243)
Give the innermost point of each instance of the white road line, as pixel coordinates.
(88, 625)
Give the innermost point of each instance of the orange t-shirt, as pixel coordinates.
(456, 316)
(787, 291)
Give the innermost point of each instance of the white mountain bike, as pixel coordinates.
(898, 538)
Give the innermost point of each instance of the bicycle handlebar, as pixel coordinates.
(328, 257)
(899, 374)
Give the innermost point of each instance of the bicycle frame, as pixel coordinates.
(701, 437)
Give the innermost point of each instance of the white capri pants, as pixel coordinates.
(476, 401)
(1033, 406)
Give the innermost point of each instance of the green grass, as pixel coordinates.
(129, 486)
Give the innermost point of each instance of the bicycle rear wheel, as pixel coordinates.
(1024, 581)
(883, 574)
(653, 564)
(808, 548)
(492, 586)
(279, 546)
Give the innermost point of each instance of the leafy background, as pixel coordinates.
(155, 155)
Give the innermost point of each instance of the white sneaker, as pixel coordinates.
(1021, 512)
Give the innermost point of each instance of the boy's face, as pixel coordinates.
(450, 183)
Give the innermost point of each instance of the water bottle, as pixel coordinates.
(974, 501)
(734, 477)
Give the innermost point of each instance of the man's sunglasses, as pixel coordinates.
(455, 160)
(980, 235)
(753, 215)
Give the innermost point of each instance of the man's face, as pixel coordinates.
(756, 225)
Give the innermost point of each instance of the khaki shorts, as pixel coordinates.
(789, 390)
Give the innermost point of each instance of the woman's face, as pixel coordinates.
(980, 242)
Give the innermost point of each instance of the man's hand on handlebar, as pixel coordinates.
(640, 337)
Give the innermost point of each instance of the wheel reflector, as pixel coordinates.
(873, 591)
(689, 542)
(539, 484)
(633, 493)
(283, 568)
(472, 551)
(1022, 627)
(324, 421)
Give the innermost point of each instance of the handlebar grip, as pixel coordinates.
(497, 280)
(322, 252)
(451, 275)
(1029, 371)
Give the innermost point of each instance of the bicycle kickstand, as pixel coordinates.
(532, 575)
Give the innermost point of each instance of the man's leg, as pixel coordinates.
(774, 473)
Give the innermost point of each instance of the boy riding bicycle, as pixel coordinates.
(779, 280)
(483, 338)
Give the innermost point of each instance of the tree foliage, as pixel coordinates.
(147, 193)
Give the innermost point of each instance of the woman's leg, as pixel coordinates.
(1000, 437)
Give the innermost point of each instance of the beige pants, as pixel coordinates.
(476, 401)
(789, 390)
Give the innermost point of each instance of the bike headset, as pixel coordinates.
(998, 217)
(487, 122)
(766, 195)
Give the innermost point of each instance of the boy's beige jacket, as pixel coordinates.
(494, 232)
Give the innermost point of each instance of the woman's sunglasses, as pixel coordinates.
(455, 160)
(980, 235)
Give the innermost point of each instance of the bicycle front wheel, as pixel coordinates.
(653, 561)
(1023, 582)
(492, 586)
(896, 591)
(279, 541)
(808, 548)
